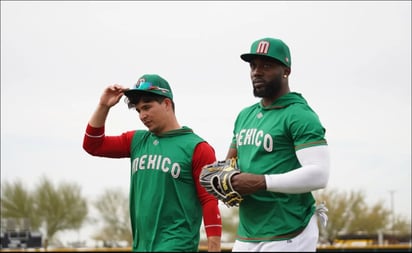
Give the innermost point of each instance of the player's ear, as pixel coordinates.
(286, 71)
(168, 102)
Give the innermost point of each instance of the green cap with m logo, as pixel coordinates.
(269, 47)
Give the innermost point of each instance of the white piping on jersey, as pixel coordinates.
(94, 136)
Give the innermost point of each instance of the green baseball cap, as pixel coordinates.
(269, 47)
(149, 83)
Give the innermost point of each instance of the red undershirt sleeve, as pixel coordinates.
(96, 143)
(204, 154)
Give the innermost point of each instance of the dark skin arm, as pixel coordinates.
(246, 183)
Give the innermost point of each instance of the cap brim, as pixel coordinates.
(134, 93)
(247, 57)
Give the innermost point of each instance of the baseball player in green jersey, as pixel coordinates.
(167, 202)
(282, 155)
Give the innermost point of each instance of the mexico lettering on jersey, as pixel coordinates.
(266, 139)
(156, 162)
(255, 137)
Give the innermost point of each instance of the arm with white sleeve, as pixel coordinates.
(312, 175)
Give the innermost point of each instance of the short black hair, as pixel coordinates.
(132, 101)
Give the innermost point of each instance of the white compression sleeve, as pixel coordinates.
(313, 175)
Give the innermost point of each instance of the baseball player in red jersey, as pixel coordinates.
(167, 202)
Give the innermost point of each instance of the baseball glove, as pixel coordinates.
(216, 179)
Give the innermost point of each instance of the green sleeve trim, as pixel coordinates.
(311, 144)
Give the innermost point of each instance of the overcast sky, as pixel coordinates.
(350, 60)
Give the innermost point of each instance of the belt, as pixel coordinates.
(273, 238)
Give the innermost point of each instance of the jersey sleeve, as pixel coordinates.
(96, 143)
(204, 154)
(306, 129)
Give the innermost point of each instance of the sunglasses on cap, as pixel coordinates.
(150, 86)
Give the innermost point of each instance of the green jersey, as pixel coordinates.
(266, 139)
(165, 211)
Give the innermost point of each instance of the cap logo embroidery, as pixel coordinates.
(141, 80)
(263, 47)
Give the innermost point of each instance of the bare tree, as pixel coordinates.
(55, 208)
(113, 207)
(350, 214)
(61, 208)
(17, 203)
